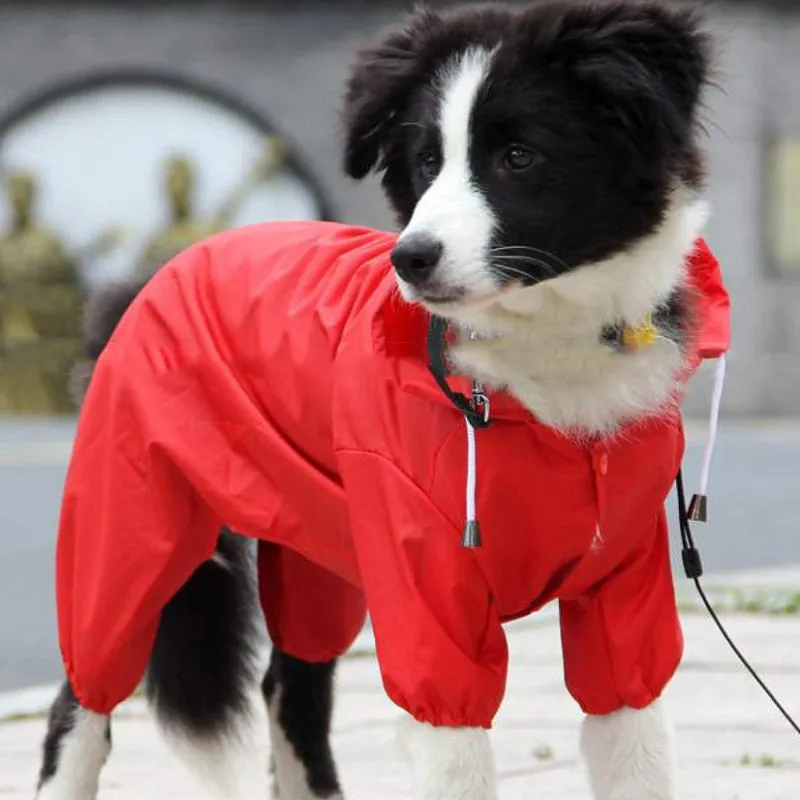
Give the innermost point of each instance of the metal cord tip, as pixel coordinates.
(472, 534)
(698, 508)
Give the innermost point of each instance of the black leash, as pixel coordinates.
(693, 567)
(476, 411)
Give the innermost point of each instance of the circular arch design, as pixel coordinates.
(137, 77)
(32, 111)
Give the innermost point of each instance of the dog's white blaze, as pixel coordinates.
(453, 210)
(630, 754)
(83, 751)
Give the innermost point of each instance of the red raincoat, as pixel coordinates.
(270, 379)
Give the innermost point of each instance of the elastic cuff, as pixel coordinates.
(97, 702)
(443, 717)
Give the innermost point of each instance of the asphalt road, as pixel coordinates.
(755, 483)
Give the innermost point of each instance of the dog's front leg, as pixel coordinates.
(76, 747)
(631, 754)
(449, 763)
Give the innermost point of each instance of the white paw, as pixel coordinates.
(449, 763)
(630, 754)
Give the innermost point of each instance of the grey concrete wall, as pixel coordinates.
(289, 63)
(759, 92)
(292, 63)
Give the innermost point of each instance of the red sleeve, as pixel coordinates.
(622, 642)
(441, 648)
(167, 448)
(311, 613)
(713, 337)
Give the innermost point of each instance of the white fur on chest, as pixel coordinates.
(578, 384)
(543, 343)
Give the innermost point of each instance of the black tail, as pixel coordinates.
(202, 667)
(104, 309)
(202, 670)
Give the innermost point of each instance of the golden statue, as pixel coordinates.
(40, 307)
(184, 229)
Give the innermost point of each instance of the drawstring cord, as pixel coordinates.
(697, 511)
(693, 567)
(698, 507)
(472, 470)
(480, 403)
(477, 414)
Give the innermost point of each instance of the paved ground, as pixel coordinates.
(753, 507)
(733, 745)
(33, 458)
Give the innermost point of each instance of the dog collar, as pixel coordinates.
(630, 338)
(476, 409)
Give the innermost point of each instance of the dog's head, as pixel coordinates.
(516, 145)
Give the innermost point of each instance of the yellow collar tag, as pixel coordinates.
(641, 335)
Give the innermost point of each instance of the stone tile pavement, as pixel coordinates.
(733, 744)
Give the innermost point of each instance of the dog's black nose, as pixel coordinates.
(415, 257)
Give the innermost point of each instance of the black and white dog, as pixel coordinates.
(558, 141)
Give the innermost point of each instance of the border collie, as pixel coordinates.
(545, 167)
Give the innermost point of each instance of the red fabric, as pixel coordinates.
(713, 336)
(270, 379)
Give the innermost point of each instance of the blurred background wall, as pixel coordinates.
(289, 59)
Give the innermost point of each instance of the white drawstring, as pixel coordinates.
(716, 402)
(480, 405)
(698, 508)
(472, 472)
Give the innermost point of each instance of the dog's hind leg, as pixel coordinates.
(316, 616)
(299, 699)
(76, 746)
(631, 754)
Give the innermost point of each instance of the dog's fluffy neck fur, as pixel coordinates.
(543, 342)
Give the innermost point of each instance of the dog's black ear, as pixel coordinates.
(380, 82)
(650, 50)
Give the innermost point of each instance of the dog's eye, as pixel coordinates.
(518, 158)
(429, 165)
